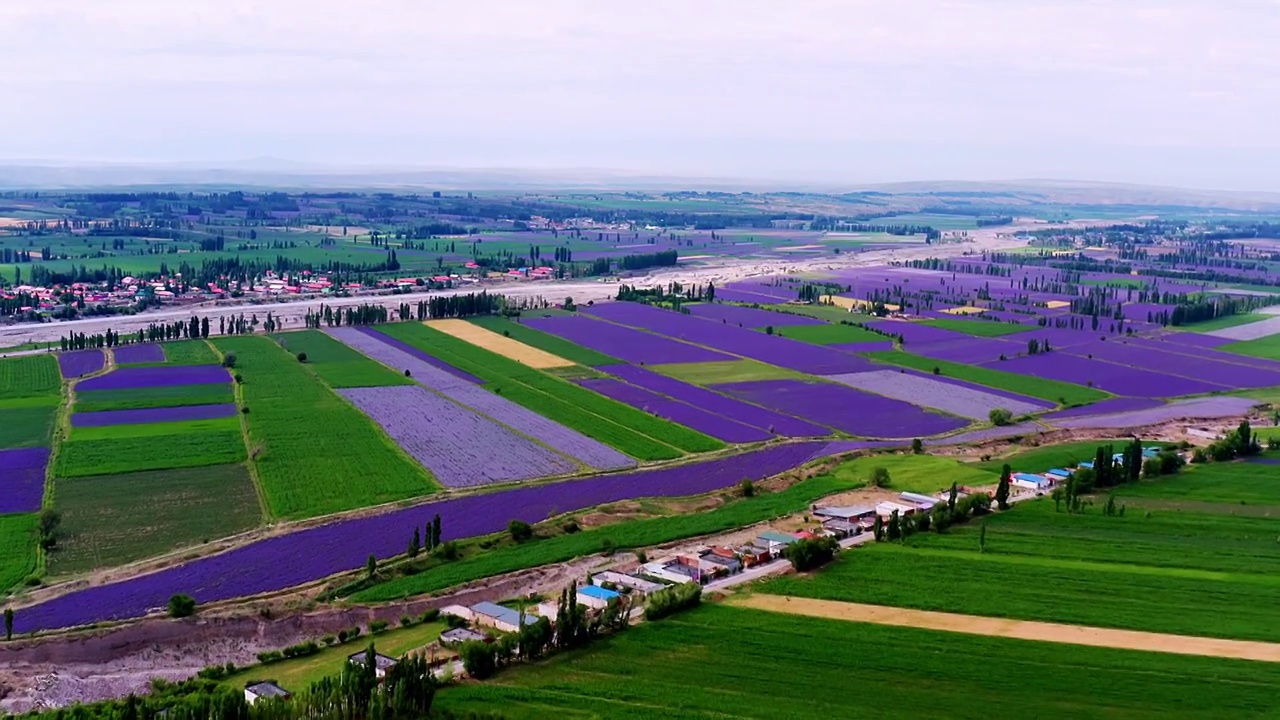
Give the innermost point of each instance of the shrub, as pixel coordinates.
(672, 600)
(748, 488)
(181, 606)
(270, 656)
(570, 527)
(1000, 416)
(310, 647)
(302, 357)
(520, 531)
(229, 360)
(479, 659)
(378, 626)
(807, 554)
(431, 615)
(405, 621)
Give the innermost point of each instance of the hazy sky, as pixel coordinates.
(1177, 92)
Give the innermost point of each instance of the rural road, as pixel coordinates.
(720, 272)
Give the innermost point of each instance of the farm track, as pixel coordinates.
(250, 462)
(1015, 629)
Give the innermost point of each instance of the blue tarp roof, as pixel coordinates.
(1087, 465)
(1030, 477)
(1060, 472)
(595, 591)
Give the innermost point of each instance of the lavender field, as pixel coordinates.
(625, 343)
(152, 415)
(458, 446)
(1206, 408)
(938, 393)
(846, 409)
(699, 419)
(139, 353)
(22, 479)
(152, 377)
(79, 363)
(319, 552)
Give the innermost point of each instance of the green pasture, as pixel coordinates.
(338, 365)
(1224, 322)
(726, 371)
(623, 427)
(27, 422)
(117, 519)
(1060, 455)
(189, 352)
(1052, 390)
(108, 454)
(722, 661)
(830, 313)
(976, 328)
(314, 452)
(156, 397)
(158, 429)
(829, 334)
(1265, 347)
(544, 341)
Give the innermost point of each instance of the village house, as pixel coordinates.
(500, 618)
(266, 689)
(382, 664)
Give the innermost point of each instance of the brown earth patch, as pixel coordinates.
(1017, 629)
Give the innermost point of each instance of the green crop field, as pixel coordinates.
(1235, 487)
(1224, 322)
(726, 371)
(1051, 390)
(1134, 283)
(17, 549)
(157, 397)
(829, 334)
(116, 519)
(158, 429)
(189, 352)
(1182, 570)
(28, 376)
(314, 452)
(977, 328)
(544, 341)
(916, 473)
(631, 431)
(27, 422)
(338, 365)
(1265, 347)
(627, 534)
(720, 661)
(1062, 455)
(118, 454)
(830, 313)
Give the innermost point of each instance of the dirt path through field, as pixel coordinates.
(1019, 629)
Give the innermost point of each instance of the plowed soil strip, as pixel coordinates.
(500, 344)
(1018, 629)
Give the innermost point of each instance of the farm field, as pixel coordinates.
(189, 352)
(325, 460)
(116, 519)
(1266, 347)
(499, 344)
(1211, 568)
(645, 673)
(731, 371)
(620, 426)
(550, 343)
(976, 328)
(1059, 455)
(29, 376)
(157, 397)
(17, 549)
(829, 334)
(27, 422)
(151, 449)
(338, 365)
(1226, 321)
(1051, 390)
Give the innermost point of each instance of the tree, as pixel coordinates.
(229, 360)
(895, 526)
(877, 528)
(748, 488)
(807, 554)
(371, 566)
(917, 446)
(1000, 416)
(1002, 489)
(8, 623)
(47, 526)
(520, 531)
(302, 357)
(880, 477)
(415, 545)
(181, 606)
(982, 538)
(435, 531)
(951, 498)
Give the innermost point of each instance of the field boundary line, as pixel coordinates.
(1015, 629)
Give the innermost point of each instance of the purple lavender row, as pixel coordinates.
(459, 447)
(936, 393)
(855, 412)
(1195, 408)
(130, 378)
(153, 415)
(1219, 370)
(1105, 407)
(81, 362)
(288, 560)
(570, 442)
(22, 479)
(716, 426)
(408, 349)
(784, 425)
(1109, 376)
(140, 353)
(772, 349)
(625, 343)
(749, 317)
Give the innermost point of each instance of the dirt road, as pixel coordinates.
(1018, 629)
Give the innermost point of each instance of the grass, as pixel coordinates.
(1155, 568)
(1063, 455)
(157, 429)
(719, 661)
(726, 371)
(117, 519)
(829, 334)
(158, 397)
(27, 422)
(1127, 282)
(17, 549)
(976, 328)
(1265, 347)
(621, 426)
(433, 575)
(315, 453)
(29, 376)
(1232, 485)
(1224, 322)
(338, 365)
(189, 352)
(544, 341)
(299, 673)
(917, 473)
(1063, 393)
(114, 455)
(830, 313)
